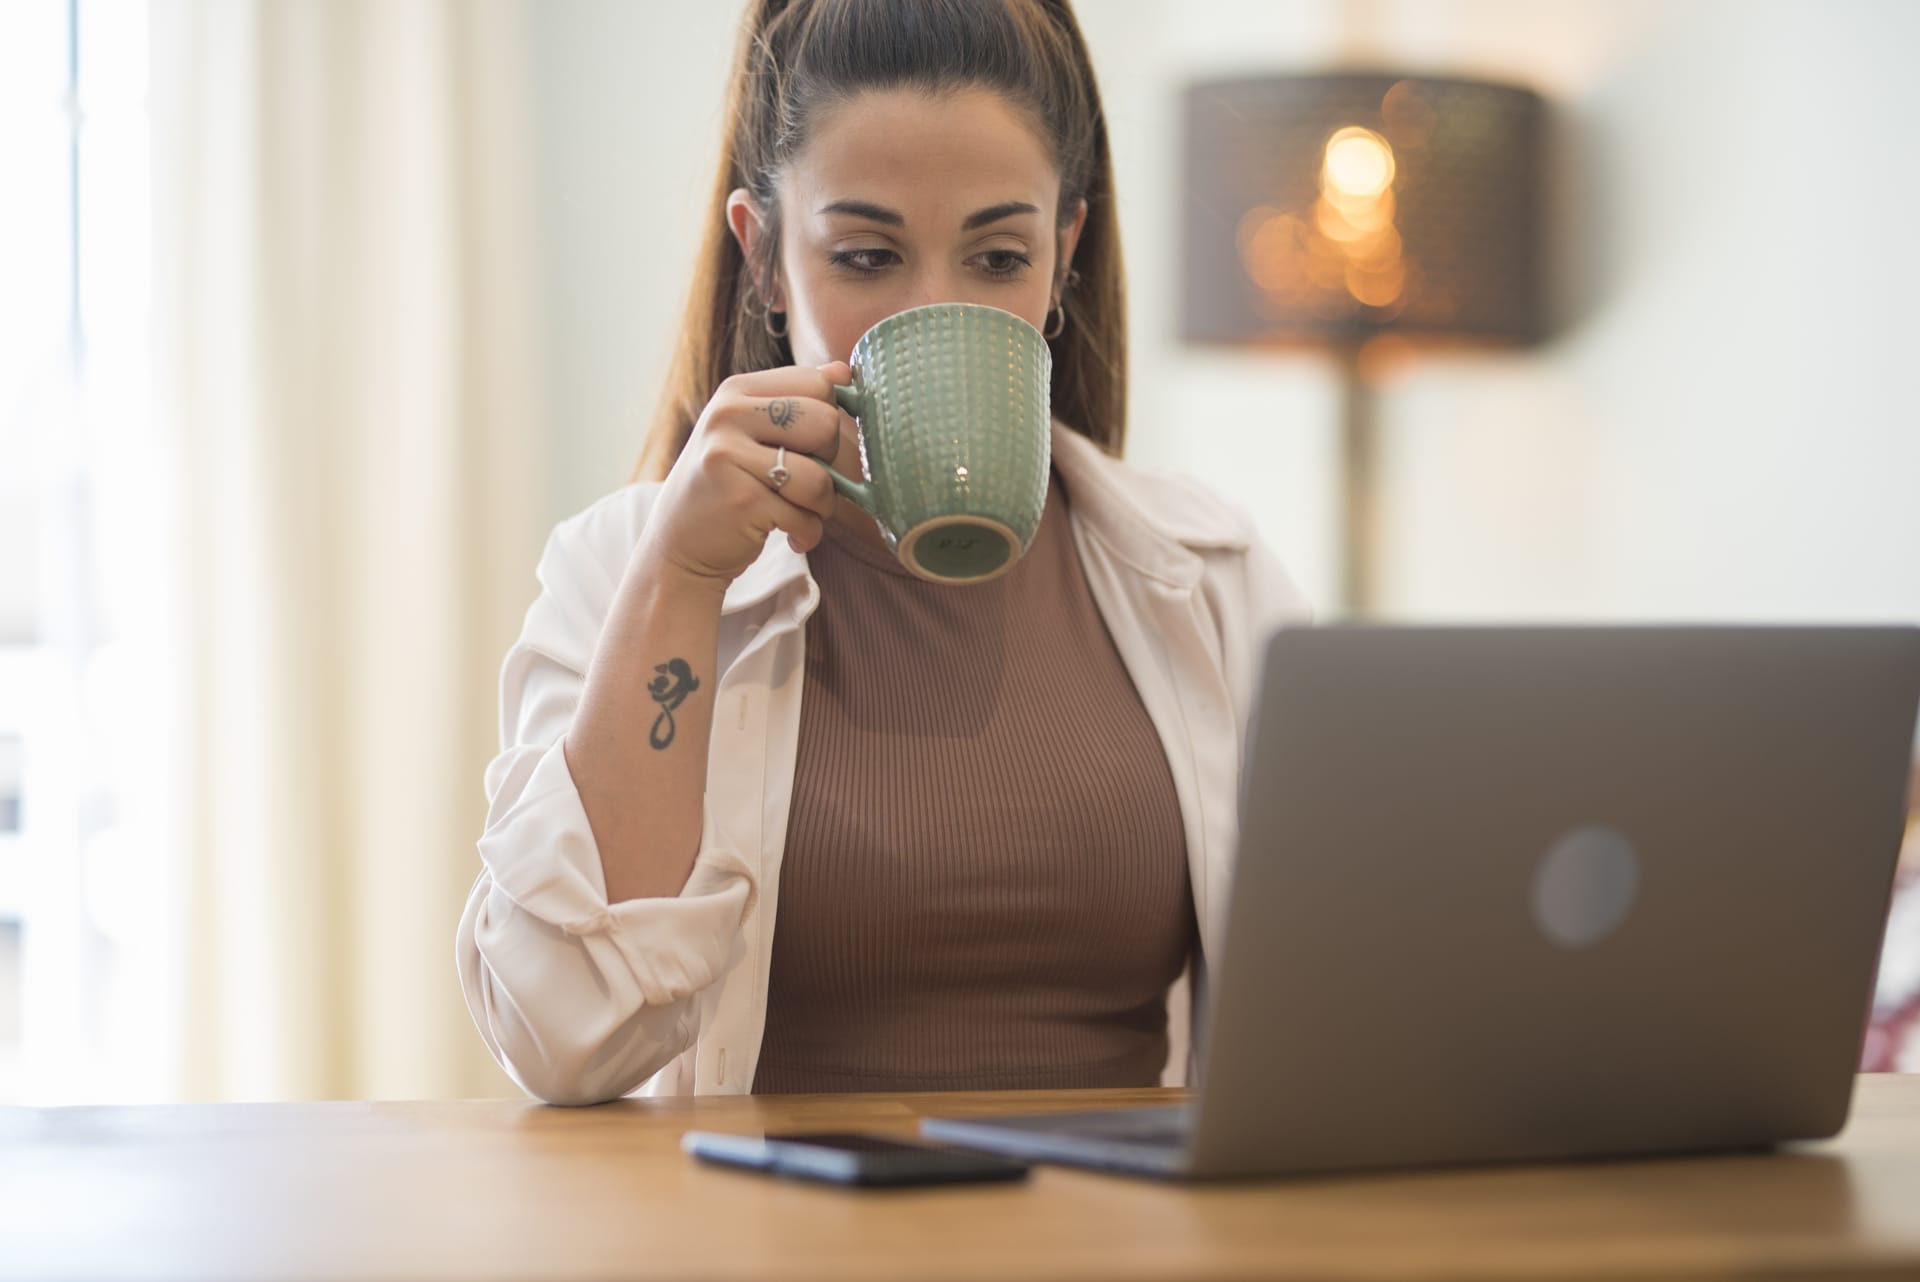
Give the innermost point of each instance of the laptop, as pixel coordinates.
(1527, 894)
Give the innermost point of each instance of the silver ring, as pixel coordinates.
(777, 475)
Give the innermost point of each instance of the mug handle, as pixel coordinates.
(861, 492)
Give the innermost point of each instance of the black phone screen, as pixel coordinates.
(847, 1157)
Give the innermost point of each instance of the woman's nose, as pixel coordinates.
(932, 286)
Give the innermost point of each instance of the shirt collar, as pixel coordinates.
(1156, 522)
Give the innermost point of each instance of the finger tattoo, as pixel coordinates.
(782, 412)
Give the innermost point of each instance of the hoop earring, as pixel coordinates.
(766, 319)
(1056, 321)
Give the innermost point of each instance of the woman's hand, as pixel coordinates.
(718, 505)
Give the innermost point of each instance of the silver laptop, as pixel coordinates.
(1537, 893)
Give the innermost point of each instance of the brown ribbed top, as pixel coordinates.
(985, 879)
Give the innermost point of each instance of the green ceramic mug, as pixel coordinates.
(952, 402)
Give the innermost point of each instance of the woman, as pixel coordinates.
(771, 814)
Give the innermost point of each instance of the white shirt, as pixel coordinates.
(584, 1001)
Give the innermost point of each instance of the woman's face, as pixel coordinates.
(902, 198)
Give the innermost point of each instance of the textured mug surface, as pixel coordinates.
(952, 401)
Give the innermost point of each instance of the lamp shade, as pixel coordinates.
(1332, 208)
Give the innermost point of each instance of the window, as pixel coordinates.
(75, 579)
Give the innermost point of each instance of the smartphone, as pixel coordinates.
(840, 1157)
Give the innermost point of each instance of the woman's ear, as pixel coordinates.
(1069, 239)
(750, 232)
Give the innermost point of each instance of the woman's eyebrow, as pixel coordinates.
(893, 217)
(870, 212)
(994, 213)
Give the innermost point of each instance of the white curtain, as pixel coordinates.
(343, 359)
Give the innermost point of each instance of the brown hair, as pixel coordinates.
(797, 56)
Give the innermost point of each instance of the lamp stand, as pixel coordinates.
(1359, 468)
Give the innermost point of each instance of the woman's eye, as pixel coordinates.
(863, 260)
(1004, 262)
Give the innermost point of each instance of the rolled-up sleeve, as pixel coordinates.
(580, 1000)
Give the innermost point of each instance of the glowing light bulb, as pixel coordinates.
(1359, 163)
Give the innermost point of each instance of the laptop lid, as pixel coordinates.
(1508, 894)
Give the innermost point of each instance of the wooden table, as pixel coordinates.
(505, 1189)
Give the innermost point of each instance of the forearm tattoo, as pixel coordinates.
(670, 689)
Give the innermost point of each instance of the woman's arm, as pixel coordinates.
(601, 915)
(637, 749)
(638, 744)
(579, 997)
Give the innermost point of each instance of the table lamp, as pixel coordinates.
(1339, 210)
